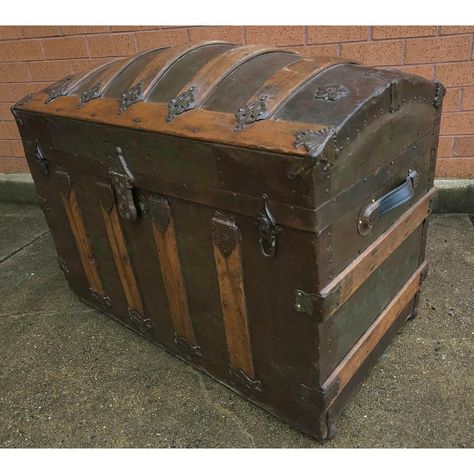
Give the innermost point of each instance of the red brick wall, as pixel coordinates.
(32, 57)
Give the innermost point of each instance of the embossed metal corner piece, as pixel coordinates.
(122, 180)
(318, 396)
(268, 230)
(101, 300)
(93, 92)
(244, 382)
(41, 161)
(131, 96)
(252, 112)
(331, 93)
(225, 233)
(440, 91)
(314, 141)
(159, 210)
(143, 323)
(190, 351)
(59, 88)
(181, 103)
(25, 100)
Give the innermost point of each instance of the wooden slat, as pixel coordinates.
(82, 241)
(232, 294)
(216, 70)
(173, 280)
(122, 260)
(343, 373)
(354, 275)
(285, 82)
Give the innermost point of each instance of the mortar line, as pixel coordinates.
(23, 247)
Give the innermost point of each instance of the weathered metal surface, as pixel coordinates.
(162, 224)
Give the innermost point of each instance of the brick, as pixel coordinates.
(451, 100)
(65, 48)
(432, 50)
(451, 75)
(337, 34)
(111, 45)
(10, 32)
(457, 123)
(455, 168)
(40, 31)
(83, 30)
(49, 70)
(319, 50)
(6, 148)
(121, 28)
(9, 131)
(455, 30)
(157, 39)
(467, 98)
(232, 34)
(464, 146)
(387, 32)
(5, 112)
(275, 35)
(17, 148)
(84, 65)
(15, 91)
(14, 165)
(14, 72)
(379, 53)
(22, 50)
(426, 71)
(445, 147)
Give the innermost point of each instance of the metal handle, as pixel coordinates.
(393, 199)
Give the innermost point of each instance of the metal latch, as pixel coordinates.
(268, 230)
(122, 180)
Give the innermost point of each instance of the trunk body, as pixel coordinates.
(277, 250)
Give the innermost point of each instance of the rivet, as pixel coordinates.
(298, 306)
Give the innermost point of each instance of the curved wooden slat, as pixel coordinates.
(155, 70)
(196, 91)
(267, 100)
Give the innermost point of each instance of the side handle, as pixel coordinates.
(386, 203)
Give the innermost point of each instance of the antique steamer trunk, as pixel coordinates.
(260, 214)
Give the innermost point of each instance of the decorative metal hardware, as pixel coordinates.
(395, 96)
(440, 91)
(225, 233)
(41, 161)
(93, 92)
(318, 396)
(314, 141)
(316, 304)
(252, 112)
(122, 180)
(190, 351)
(181, 103)
(268, 230)
(101, 300)
(59, 88)
(331, 93)
(245, 382)
(63, 266)
(131, 96)
(142, 322)
(159, 210)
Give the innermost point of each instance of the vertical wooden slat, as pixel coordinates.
(122, 259)
(165, 239)
(82, 241)
(228, 258)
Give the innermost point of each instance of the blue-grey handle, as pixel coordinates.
(386, 203)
